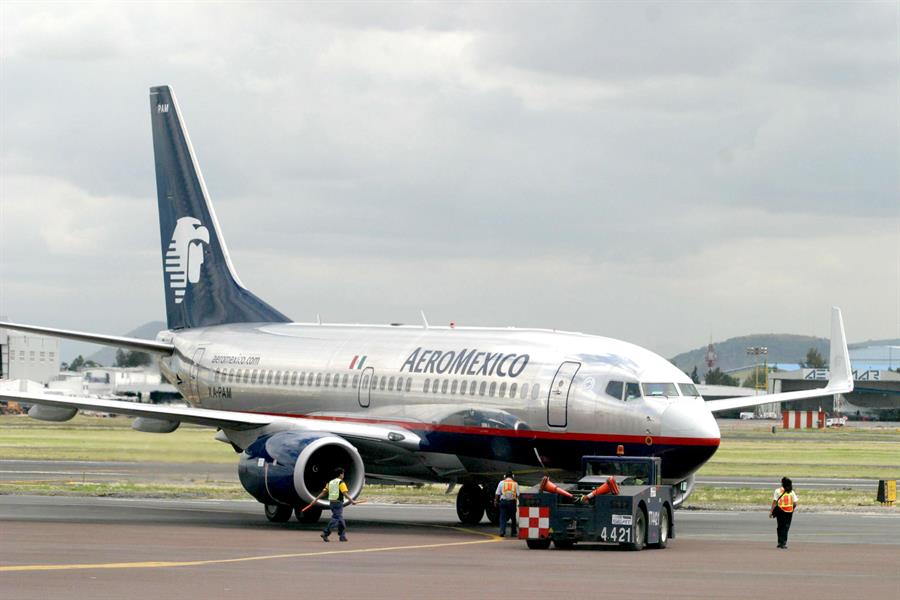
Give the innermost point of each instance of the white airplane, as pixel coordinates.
(457, 405)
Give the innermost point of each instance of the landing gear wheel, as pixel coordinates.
(312, 515)
(537, 544)
(491, 510)
(563, 544)
(663, 529)
(470, 504)
(278, 513)
(640, 532)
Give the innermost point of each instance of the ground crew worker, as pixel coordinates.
(506, 495)
(336, 490)
(784, 503)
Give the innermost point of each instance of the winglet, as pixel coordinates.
(841, 377)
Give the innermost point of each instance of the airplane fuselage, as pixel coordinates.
(470, 393)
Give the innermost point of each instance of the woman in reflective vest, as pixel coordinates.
(784, 503)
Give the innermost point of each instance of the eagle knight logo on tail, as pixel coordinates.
(185, 255)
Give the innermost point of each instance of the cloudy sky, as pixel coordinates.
(660, 173)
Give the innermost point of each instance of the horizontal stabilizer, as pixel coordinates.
(840, 380)
(94, 338)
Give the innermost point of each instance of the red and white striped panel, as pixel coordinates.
(802, 419)
(534, 522)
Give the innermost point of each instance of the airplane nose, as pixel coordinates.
(689, 419)
(692, 435)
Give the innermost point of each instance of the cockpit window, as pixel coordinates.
(688, 389)
(632, 391)
(615, 388)
(659, 389)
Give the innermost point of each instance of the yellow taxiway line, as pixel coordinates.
(490, 538)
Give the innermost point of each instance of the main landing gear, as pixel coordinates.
(281, 513)
(312, 515)
(473, 501)
(278, 513)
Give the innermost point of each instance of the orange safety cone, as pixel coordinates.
(549, 486)
(610, 487)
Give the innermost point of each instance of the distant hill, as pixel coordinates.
(893, 342)
(732, 353)
(147, 331)
(783, 348)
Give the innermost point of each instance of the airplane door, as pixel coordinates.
(194, 382)
(558, 398)
(364, 392)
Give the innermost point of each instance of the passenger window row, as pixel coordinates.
(294, 378)
(311, 379)
(385, 383)
(483, 388)
(379, 383)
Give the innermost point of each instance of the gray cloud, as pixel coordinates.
(656, 172)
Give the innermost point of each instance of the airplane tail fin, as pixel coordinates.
(201, 285)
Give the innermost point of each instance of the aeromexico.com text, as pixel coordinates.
(465, 362)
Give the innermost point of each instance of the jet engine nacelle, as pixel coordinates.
(292, 467)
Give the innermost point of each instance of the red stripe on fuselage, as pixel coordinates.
(521, 433)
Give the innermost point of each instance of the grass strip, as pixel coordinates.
(747, 498)
(107, 439)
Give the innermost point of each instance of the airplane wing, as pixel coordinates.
(839, 382)
(106, 340)
(66, 406)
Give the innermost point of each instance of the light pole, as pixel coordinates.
(756, 351)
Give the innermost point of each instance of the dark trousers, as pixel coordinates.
(337, 519)
(507, 512)
(784, 524)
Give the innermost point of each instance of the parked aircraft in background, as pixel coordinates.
(457, 405)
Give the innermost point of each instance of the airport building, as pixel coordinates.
(28, 357)
(876, 385)
(140, 382)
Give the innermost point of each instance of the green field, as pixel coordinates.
(872, 453)
(96, 438)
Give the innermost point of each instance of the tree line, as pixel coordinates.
(813, 360)
(124, 358)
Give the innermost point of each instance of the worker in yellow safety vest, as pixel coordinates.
(336, 491)
(784, 504)
(506, 495)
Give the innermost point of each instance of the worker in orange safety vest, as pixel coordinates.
(784, 504)
(506, 495)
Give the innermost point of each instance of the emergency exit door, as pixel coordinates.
(365, 387)
(194, 383)
(558, 399)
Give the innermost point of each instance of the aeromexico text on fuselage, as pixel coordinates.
(465, 362)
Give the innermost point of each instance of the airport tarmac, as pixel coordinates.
(103, 471)
(115, 548)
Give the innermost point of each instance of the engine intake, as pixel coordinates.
(292, 467)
